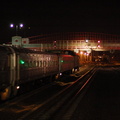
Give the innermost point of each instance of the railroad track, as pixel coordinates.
(58, 102)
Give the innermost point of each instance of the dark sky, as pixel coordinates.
(59, 16)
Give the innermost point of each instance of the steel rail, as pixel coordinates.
(49, 108)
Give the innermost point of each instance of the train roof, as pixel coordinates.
(11, 49)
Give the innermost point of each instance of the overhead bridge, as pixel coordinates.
(78, 41)
(74, 40)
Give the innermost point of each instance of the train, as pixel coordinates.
(22, 65)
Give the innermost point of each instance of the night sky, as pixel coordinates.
(58, 16)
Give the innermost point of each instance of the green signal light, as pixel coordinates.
(22, 62)
(61, 61)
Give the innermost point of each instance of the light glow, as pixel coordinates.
(11, 25)
(60, 74)
(21, 25)
(86, 41)
(98, 41)
(98, 46)
(22, 62)
(62, 61)
(81, 52)
(18, 87)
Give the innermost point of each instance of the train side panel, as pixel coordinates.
(77, 61)
(30, 66)
(66, 63)
(36, 66)
(50, 64)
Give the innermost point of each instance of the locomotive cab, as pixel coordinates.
(7, 71)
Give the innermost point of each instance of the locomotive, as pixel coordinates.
(21, 65)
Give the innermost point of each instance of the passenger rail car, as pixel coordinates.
(20, 65)
(69, 61)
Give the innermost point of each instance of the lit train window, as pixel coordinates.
(44, 63)
(26, 64)
(34, 63)
(30, 63)
(40, 64)
(37, 63)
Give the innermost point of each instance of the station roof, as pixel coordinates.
(50, 37)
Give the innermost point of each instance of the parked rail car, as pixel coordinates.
(66, 63)
(20, 65)
(69, 61)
